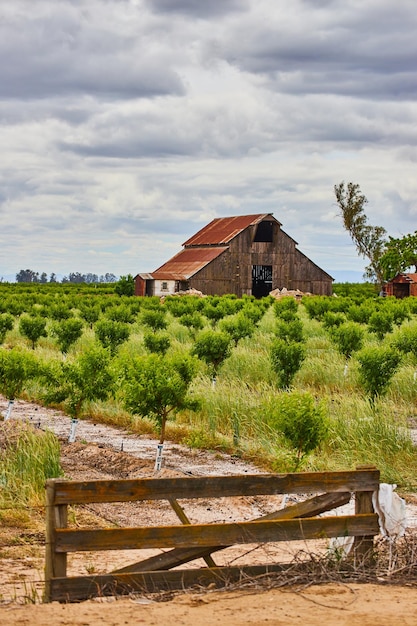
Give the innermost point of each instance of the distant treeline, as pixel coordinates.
(29, 276)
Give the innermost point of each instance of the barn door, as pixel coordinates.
(261, 280)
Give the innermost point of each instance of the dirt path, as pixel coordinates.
(105, 452)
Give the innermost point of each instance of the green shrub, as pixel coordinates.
(286, 359)
(381, 323)
(302, 420)
(377, 366)
(33, 328)
(6, 324)
(348, 338)
(158, 343)
(290, 331)
(237, 326)
(67, 332)
(213, 347)
(111, 334)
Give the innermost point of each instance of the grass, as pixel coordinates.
(28, 457)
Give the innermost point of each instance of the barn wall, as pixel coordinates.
(231, 272)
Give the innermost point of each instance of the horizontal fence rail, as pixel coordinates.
(186, 542)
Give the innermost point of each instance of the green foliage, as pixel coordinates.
(6, 324)
(158, 387)
(158, 343)
(406, 340)
(237, 326)
(16, 369)
(33, 328)
(285, 308)
(155, 319)
(213, 347)
(121, 313)
(125, 286)
(286, 360)
(399, 255)
(67, 332)
(332, 320)
(317, 306)
(28, 457)
(377, 366)
(193, 321)
(291, 331)
(88, 378)
(348, 338)
(360, 313)
(111, 334)
(381, 323)
(90, 313)
(59, 312)
(302, 420)
(358, 291)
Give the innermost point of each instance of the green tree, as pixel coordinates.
(6, 324)
(154, 319)
(111, 334)
(369, 240)
(33, 328)
(67, 332)
(125, 286)
(237, 326)
(399, 255)
(158, 386)
(286, 360)
(377, 366)
(348, 338)
(16, 368)
(88, 378)
(213, 347)
(158, 343)
(302, 420)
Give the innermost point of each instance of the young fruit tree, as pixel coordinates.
(73, 383)
(158, 386)
(16, 368)
(33, 328)
(213, 347)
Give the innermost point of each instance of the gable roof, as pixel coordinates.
(222, 230)
(409, 278)
(187, 263)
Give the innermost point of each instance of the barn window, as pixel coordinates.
(164, 286)
(264, 232)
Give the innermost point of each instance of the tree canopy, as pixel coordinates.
(387, 257)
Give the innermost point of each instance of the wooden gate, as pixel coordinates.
(187, 542)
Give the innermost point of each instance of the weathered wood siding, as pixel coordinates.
(232, 271)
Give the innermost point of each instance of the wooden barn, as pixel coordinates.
(246, 254)
(402, 286)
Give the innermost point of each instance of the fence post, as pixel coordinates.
(363, 547)
(56, 517)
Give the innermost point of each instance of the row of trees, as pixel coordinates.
(388, 256)
(30, 276)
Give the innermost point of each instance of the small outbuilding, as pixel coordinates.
(241, 255)
(402, 286)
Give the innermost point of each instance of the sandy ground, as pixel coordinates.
(104, 452)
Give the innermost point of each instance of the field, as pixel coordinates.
(321, 384)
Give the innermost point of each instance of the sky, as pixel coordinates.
(128, 125)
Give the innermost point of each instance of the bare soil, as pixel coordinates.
(105, 452)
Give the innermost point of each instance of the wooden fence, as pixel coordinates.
(187, 542)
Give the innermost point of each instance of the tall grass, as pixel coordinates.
(28, 457)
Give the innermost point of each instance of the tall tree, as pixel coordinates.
(369, 240)
(399, 255)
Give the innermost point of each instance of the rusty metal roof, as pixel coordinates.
(403, 277)
(223, 229)
(187, 263)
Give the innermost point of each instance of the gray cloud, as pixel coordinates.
(196, 8)
(127, 125)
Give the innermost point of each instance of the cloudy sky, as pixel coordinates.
(127, 125)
